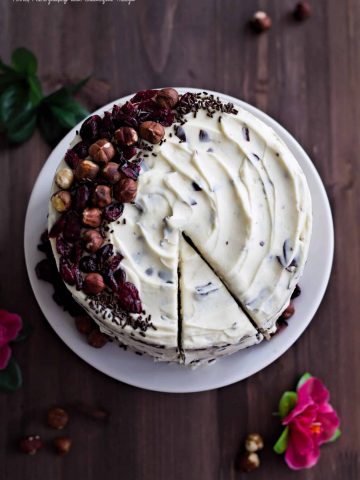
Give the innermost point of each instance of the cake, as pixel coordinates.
(181, 224)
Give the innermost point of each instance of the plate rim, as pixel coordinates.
(292, 143)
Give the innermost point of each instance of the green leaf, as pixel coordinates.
(24, 332)
(282, 442)
(36, 93)
(50, 128)
(10, 377)
(6, 68)
(73, 89)
(336, 435)
(303, 379)
(24, 61)
(287, 403)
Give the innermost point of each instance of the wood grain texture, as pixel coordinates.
(306, 76)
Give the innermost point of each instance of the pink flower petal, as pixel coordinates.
(301, 438)
(314, 390)
(306, 411)
(5, 354)
(295, 460)
(10, 326)
(329, 423)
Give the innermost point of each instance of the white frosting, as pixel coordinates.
(248, 214)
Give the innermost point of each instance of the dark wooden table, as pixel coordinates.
(307, 76)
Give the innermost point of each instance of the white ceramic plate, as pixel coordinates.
(142, 371)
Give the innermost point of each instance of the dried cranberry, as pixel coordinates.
(113, 211)
(128, 298)
(81, 149)
(115, 261)
(97, 339)
(296, 292)
(103, 254)
(132, 169)
(62, 246)
(120, 276)
(129, 108)
(88, 264)
(76, 253)
(67, 271)
(81, 198)
(72, 159)
(109, 279)
(129, 152)
(89, 130)
(45, 270)
(186, 103)
(44, 238)
(84, 324)
(107, 126)
(150, 110)
(58, 227)
(78, 279)
(143, 95)
(72, 227)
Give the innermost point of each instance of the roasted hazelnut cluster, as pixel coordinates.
(249, 460)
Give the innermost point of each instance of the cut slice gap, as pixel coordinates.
(212, 323)
(181, 353)
(191, 243)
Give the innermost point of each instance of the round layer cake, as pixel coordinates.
(181, 224)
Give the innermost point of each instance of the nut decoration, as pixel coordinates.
(86, 170)
(126, 136)
(125, 190)
(64, 178)
(102, 151)
(61, 201)
(167, 98)
(153, 132)
(92, 217)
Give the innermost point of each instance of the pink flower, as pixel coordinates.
(10, 326)
(311, 423)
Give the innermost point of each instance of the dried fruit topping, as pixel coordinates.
(72, 227)
(115, 261)
(107, 127)
(64, 178)
(61, 201)
(126, 136)
(90, 128)
(131, 169)
(45, 270)
(151, 131)
(92, 240)
(81, 198)
(67, 271)
(103, 254)
(186, 103)
(113, 212)
(81, 149)
(62, 246)
(296, 292)
(128, 298)
(111, 172)
(76, 252)
(102, 151)
(31, 444)
(86, 170)
(84, 324)
(125, 190)
(91, 217)
(57, 418)
(72, 159)
(167, 98)
(101, 196)
(143, 95)
(88, 264)
(62, 445)
(97, 339)
(260, 22)
(109, 279)
(128, 152)
(288, 312)
(58, 227)
(125, 115)
(93, 284)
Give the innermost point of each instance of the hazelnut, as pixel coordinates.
(254, 442)
(167, 98)
(31, 444)
(111, 172)
(101, 196)
(153, 132)
(91, 217)
(61, 201)
(260, 22)
(86, 170)
(125, 190)
(93, 284)
(249, 461)
(288, 312)
(126, 136)
(64, 178)
(302, 11)
(57, 418)
(92, 240)
(102, 151)
(62, 445)
(97, 339)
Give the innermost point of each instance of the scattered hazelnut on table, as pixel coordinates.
(57, 418)
(167, 98)
(92, 240)
(125, 190)
(61, 201)
(254, 442)
(31, 444)
(249, 461)
(97, 339)
(91, 217)
(126, 136)
(64, 178)
(101, 196)
(260, 22)
(288, 312)
(111, 172)
(302, 11)
(93, 284)
(62, 445)
(86, 170)
(102, 151)
(153, 132)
